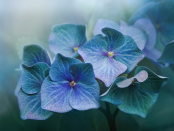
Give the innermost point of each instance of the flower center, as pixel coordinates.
(110, 54)
(75, 49)
(72, 83)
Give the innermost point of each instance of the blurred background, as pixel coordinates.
(25, 22)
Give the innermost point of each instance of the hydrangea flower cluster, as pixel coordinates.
(111, 55)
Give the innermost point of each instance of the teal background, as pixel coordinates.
(24, 22)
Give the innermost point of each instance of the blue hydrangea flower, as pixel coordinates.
(135, 95)
(111, 55)
(67, 38)
(136, 33)
(159, 28)
(70, 85)
(35, 67)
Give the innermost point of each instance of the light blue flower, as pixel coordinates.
(67, 38)
(111, 55)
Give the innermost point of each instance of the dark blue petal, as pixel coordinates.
(32, 77)
(83, 73)
(128, 54)
(137, 101)
(33, 54)
(30, 107)
(59, 70)
(55, 96)
(102, 23)
(65, 37)
(85, 97)
(153, 83)
(168, 54)
(114, 94)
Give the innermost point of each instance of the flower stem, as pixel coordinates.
(109, 116)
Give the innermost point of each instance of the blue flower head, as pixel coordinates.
(111, 55)
(156, 19)
(35, 67)
(67, 38)
(70, 85)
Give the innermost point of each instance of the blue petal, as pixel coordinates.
(153, 83)
(55, 96)
(32, 77)
(33, 54)
(83, 73)
(137, 101)
(65, 37)
(137, 34)
(85, 97)
(114, 94)
(146, 25)
(59, 70)
(109, 69)
(93, 51)
(30, 107)
(128, 54)
(102, 23)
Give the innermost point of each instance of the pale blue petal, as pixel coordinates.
(137, 34)
(103, 23)
(85, 97)
(109, 70)
(146, 25)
